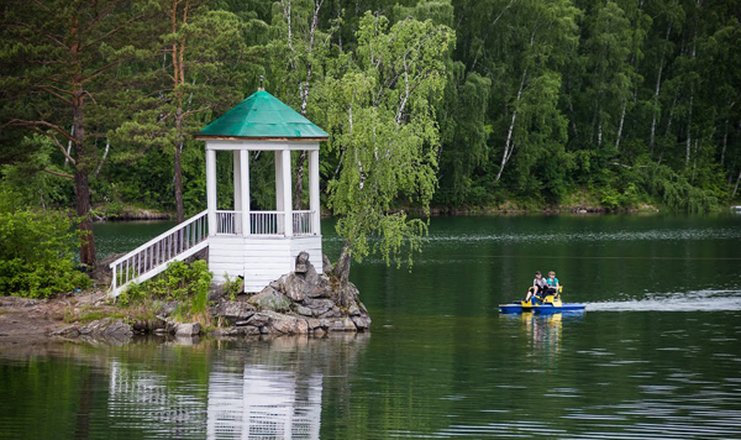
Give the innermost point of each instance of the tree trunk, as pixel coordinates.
(298, 188)
(179, 205)
(82, 188)
(655, 115)
(82, 163)
(509, 144)
(688, 141)
(725, 143)
(87, 240)
(178, 80)
(345, 295)
(735, 188)
(657, 92)
(342, 268)
(620, 126)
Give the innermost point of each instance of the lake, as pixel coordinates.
(657, 354)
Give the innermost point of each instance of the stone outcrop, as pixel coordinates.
(300, 302)
(107, 329)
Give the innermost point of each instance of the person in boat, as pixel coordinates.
(538, 287)
(552, 285)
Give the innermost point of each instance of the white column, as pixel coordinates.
(244, 172)
(237, 181)
(279, 188)
(237, 191)
(211, 189)
(314, 204)
(287, 197)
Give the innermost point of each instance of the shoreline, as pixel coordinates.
(145, 215)
(301, 302)
(508, 208)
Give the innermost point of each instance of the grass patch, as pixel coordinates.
(187, 284)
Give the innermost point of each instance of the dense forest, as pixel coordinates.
(520, 104)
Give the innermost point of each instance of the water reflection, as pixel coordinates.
(263, 402)
(264, 390)
(544, 332)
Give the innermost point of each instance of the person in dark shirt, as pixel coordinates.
(539, 286)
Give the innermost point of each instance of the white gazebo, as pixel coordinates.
(261, 245)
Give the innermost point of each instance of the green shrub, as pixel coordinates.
(186, 283)
(234, 287)
(36, 251)
(676, 192)
(610, 198)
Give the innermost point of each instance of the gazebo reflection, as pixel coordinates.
(264, 403)
(254, 390)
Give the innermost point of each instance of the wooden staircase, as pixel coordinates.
(152, 258)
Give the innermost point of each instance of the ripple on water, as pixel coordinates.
(581, 236)
(708, 300)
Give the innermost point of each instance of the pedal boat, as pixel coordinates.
(550, 304)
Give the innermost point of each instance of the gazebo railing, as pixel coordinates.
(229, 222)
(302, 224)
(264, 223)
(267, 223)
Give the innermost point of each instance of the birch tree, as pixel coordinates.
(546, 37)
(380, 116)
(609, 72)
(299, 50)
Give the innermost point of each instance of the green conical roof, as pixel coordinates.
(263, 116)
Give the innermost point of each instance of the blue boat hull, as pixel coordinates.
(542, 308)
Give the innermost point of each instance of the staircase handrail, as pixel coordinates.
(159, 237)
(151, 258)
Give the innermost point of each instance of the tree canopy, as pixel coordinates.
(429, 103)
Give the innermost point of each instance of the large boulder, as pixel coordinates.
(233, 312)
(319, 306)
(107, 328)
(110, 330)
(270, 299)
(295, 287)
(342, 325)
(289, 325)
(361, 322)
(302, 282)
(188, 329)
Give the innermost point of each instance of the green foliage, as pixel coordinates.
(380, 113)
(523, 101)
(185, 283)
(38, 180)
(676, 192)
(232, 288)
(36, 251)
(464, 132)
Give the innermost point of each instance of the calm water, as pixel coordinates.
(656, 355)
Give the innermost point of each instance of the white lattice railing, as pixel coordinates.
(302, 224)
(152, 257)
(264, 222)
(267, 223)
(229, 222)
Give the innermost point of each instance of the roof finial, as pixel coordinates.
(262, 80)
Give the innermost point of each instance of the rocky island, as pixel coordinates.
(302, 302)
